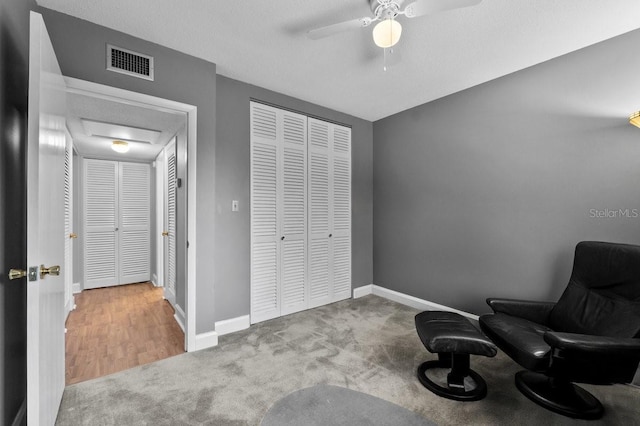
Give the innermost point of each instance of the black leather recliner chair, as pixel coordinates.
(591, 335)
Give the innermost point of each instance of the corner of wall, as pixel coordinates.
(206, 340)
(179, 316)
(232, 325)
(362, 291)
(407, 300)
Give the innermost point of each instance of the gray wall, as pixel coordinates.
(80, 47)
(232, 253)
(486, 192)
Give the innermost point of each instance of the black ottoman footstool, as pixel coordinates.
(454, 339)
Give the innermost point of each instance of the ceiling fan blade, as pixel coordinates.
(428, 7)
(330, 30)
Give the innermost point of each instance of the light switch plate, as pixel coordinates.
(234, 206)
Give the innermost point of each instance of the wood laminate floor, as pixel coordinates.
(116, 328)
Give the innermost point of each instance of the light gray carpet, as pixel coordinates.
(324, 405)
(367, 344)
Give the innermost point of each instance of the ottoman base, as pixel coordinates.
(454, 339)
(456, 389)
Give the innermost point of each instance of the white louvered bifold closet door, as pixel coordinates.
(100, 223)
(300, 212)
(171, 222)
(135, 214)
(341, 203)
(293, 253)
(117, 207)
(278, 212)
(329, 212)
(320, 206)
(265, 288)
(68, 224)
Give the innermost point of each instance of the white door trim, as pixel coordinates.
(101, 91)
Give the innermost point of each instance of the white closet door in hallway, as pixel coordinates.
(300, 198)
(134, 222)
(170, 223)
(117, 202)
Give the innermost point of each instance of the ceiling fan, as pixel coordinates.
(387, 31)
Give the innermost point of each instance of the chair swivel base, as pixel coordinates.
(561, 397)
(456, 389)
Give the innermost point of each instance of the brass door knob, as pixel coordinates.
(73, 235)
(165, 233)
(15, 274)
(53, 270)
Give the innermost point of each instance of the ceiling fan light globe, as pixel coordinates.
(387, 33)
(120, 146)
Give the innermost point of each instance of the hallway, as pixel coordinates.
(117, 328)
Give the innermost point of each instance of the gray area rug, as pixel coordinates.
(368, 344)
(324, 405)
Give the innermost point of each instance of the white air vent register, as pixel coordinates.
(128, 62)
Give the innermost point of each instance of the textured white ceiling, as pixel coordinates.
(264, 43)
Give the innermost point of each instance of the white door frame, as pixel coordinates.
(115, 94)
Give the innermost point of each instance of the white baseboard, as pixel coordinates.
(179, 316)
(70, 305)
(206, 340)
(75, 288)
(154, 280)
(362, 291)
(405, 299)
(232, 325)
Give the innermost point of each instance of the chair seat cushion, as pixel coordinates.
(521, 339)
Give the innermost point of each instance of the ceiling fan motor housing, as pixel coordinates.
(385, 9)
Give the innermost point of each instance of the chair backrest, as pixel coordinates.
(603, 294)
